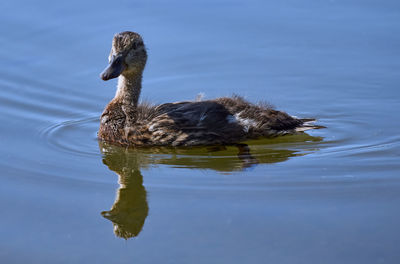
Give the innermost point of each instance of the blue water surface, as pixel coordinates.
(329, 196)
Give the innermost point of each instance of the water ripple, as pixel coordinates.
(72, 136)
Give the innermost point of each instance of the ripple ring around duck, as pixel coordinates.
(71, 136)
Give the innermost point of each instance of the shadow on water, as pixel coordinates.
(130, 208)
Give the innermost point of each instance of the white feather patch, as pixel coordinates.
(247, 123)
(199, 97)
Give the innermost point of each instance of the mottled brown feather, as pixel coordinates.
(194, 123)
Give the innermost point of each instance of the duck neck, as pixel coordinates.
(129, 87)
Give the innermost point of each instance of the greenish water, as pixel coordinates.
(329, 196)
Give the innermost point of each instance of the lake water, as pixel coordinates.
(329, 196)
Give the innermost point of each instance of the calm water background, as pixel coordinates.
(330, 197)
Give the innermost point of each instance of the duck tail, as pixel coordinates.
(308, 123)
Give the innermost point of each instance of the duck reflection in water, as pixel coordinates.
(130, 208)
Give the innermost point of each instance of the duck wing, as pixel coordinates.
(195, 123)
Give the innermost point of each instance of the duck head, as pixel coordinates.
(128, 56)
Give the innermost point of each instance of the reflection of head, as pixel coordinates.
(130, 208)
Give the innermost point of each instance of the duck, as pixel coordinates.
(221, 121)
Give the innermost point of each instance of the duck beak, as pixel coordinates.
(114, 69)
